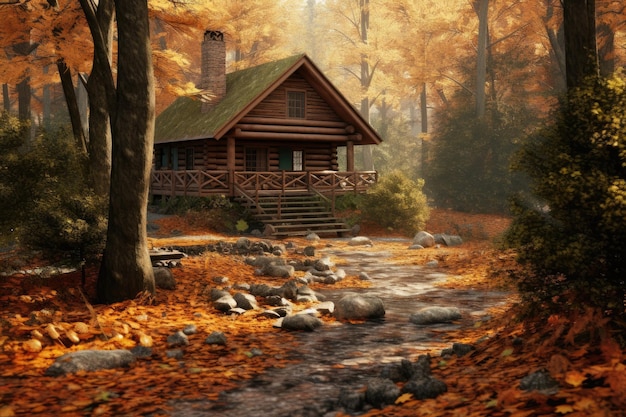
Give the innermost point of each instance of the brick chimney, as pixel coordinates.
(213, 69)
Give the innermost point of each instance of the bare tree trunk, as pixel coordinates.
(580, 41)
(72, 104)
(99, 117)
(368, 159)
(481, 59)
(606, 49)
(6, 98)
(126, 268)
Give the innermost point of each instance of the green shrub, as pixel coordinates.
(44, 193)
(397, 203)
(572, 229)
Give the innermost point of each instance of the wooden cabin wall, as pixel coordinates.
(275, 105)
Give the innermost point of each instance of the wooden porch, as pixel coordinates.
(284, 200)
(202, 183)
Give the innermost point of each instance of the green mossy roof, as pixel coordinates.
(183, 119)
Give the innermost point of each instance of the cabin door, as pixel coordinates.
(290, 160)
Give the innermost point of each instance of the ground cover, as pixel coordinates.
(44, 317)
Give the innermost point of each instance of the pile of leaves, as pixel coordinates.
(58, 312)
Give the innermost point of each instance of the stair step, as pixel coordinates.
(279, 227)
(306, 232)
(305, 220)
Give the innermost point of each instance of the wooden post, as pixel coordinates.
(230, 164)
(349, 156)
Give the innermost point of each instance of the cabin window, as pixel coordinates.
(298, 160)
(189, 158)
(290, 160)
(169, 158)
(296, 104)
(256, 159)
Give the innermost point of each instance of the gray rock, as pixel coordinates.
(350, 400)
(90, 360)
(164, 279)
(216, 294)
(355, 230)
(424, 239)
(323, 264)
(541, 381)
(190, 329)
(245, 301)
(301, 322)
(243, 243)
(309, 251)
(237, 310)
(448, 240)
(425, 387)
(177, 339)
(354, 306)
(434, 315)
(360, 241)
(225, 303)
(220, 280)
(270, 314)
(458, 349)
(216, 338)
(326, 308)
(363, 276)
(142, 352)
(381, 392)
(432, 263)
(312, 237)
(276, 300)
(175, 353)
(278, 271)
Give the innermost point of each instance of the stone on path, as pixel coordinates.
(90, 360)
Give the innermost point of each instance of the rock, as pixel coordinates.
(381, 392)
(541, 381)
(312, 237)
(301, 322)
(243, 243)
(164, 279)
(216, 294)
(326, 308)
(220, 280)
(278, 271)
(354, 230)
(225, 303)
(360, 241)
(309, 251)
(432, 263)
(260, 290)
(324, 264)
(177, 339)
(270, 314)
(174, 353)
(245, 301)
(398, 372)
(458, 349)
(190, 329)
(237, 310)
(216, 338)
(354, 306)
(351, 401)
(448, 240)
(424, 239)
(142, 352)
(363, 276)
(425, 387)
(276, 300)
(416, 247)
(90, 360)
(433, 315)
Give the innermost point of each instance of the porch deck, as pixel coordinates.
(205, 183)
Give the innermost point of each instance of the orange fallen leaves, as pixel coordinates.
(485, 382)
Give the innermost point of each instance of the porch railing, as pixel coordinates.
(203, 183)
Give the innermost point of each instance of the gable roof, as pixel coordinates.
(183, 119)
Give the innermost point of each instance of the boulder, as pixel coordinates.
(448, 240)
(424, 239)
(425, 387)
(245, 301)
(354, 306)
(90, 360)
(434, 315)
(164, 279)
(301, 322)
(225, 303)
(360, 241)
(381, 392)
(216, 338)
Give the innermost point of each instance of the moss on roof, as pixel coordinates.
(184, 120)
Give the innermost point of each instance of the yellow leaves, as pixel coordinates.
(32, 345)
(7, 411)
(52, 332)
(407, 396)
(575, 378)
(564, 409)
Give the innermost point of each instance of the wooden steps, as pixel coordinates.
(295, 215)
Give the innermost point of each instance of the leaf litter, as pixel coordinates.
(44, 318)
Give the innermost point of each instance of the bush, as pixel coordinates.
(45, 196)
(572, 230)
(396, 202)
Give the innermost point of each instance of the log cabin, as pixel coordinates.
(267, 136)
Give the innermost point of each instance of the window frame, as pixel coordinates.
(296, 104)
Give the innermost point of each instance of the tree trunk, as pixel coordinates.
(481, 58)
(99, 117)
(6, 99)
(23, 100)
(580, 41)
(126, 269)
(72, 104)
(606, 49)
(366, 79)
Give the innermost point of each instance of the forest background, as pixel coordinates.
(410, 67)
